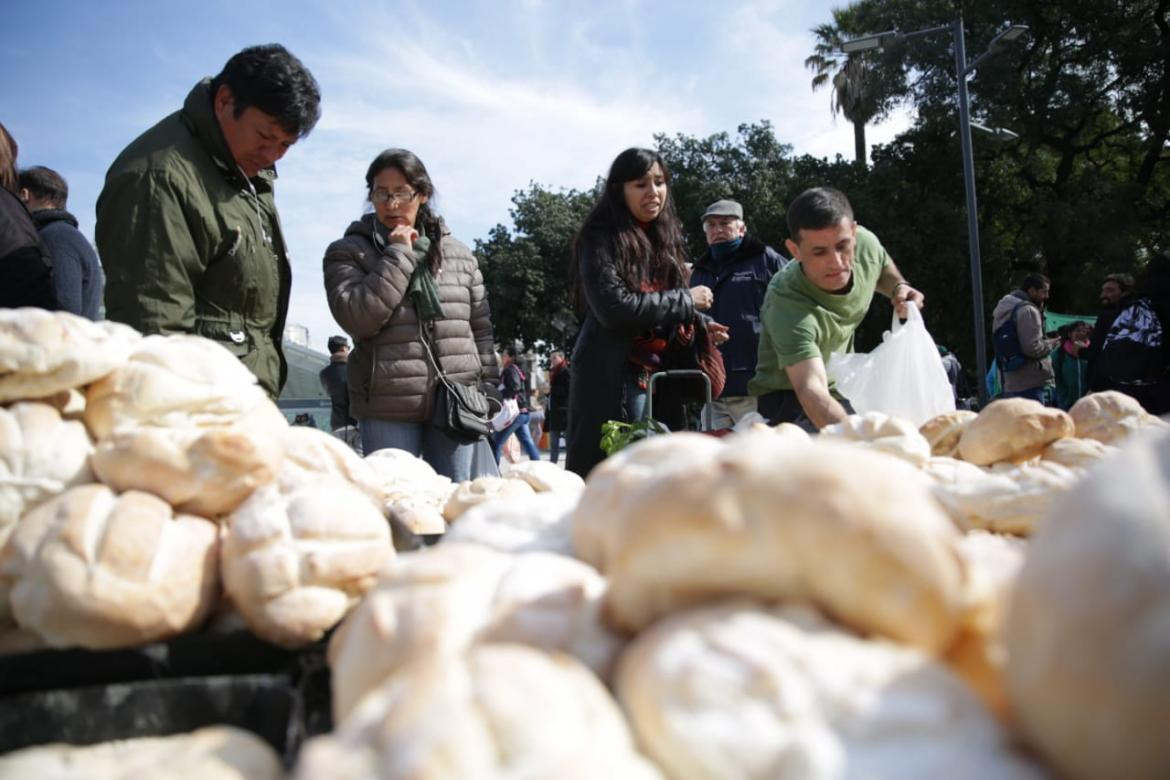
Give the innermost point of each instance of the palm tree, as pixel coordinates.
(853, 93)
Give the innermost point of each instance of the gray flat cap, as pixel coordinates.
(724, 208)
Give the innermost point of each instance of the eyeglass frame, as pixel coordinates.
(380, 196)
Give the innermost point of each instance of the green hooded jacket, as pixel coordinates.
(191, 245)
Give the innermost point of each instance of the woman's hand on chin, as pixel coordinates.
(403, 234)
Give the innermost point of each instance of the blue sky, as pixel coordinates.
(491, 95)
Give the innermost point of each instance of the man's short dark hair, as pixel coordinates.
(817, 209)
(45, 184)
(336, 344)
(272, 80)
(1034, 282)
(1123, 281)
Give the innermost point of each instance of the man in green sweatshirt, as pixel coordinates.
(186, 225)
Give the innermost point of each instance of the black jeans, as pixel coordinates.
(783, 406)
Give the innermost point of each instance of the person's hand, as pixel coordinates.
(719, 334)
(403, 234)
(905, 294)
(703, 297)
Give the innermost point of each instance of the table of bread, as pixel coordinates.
(987, 596)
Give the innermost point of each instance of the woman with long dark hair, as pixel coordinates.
(631, 283)
(399, 267)
(26, 270)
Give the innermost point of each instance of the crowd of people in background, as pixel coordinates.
(190, 242)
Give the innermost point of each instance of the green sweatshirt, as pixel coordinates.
(190, 245)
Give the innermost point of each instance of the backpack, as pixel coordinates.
(1006, 342)
(1133, 352)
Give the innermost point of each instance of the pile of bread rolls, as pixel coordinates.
(988, 596)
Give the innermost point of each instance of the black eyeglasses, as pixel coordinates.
(381, 196)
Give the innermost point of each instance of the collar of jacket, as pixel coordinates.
(199, 115)
(750, 247)
(44, 217)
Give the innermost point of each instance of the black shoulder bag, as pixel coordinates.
(461, 411)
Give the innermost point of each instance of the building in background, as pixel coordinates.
(302, 393)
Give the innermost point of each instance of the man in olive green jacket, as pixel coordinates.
(187, 227)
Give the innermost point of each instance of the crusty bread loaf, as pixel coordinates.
(545, 477)
(482, 489)
(1012, 429)
(1076, 453)
(1088, 629)
(524, 524)
(202, 471)
(41, 456)
(309, 453)
(855, 531)
(943, 431)
(440, 601)
(93, 569)
(173, 382)
(211, 753)
(738, 690)
(612, 480)
(294, 560)
(979, 655)
(43, 353)
(413, 493)
(1006, 498)
(874, 430)
(1110, 417)
(500, 711)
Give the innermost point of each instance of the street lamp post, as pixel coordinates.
(963, 70)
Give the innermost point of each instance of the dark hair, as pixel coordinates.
(415, 173)
(1123, 281)
(45, 184)
(8, 150)
(656, 254)
(817, 209)
(274, 81)
(1034, 281)
(336, 343)
(1155, 278)
(511, 351)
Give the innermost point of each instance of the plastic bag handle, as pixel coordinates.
(912, 315)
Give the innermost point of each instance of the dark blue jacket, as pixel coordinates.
(26, 270)
(739, 284)
(77, 274)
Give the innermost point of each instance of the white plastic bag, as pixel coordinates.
(903, 377)
(509, 411)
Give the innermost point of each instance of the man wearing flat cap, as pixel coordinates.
(737, 267)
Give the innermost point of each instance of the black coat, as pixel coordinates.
(333, 382)
(26, 272)
(615, 315)
(556, 413)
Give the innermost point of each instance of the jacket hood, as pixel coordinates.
(199, 115)
(48, 216)
(1007, 305)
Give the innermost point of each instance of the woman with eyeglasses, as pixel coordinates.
(631, 282)
(395, 266)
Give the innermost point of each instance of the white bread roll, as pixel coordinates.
(738, 690)
(98, 570)
(880, 432)
(523, 524)
(1077, 454)
(612, 480)
(1012, 429)
(295, 561)
(202, 471)
(440, 601)
(211, 753)
(413, 493)
(500, 711)
(943, 431)
(41, 456)
(1110, 417)
(1006, 498)
(544, 477)
(43, 353)
(854, 531)
(944, 470)
(480, 490)
(310, 453)
(1088, 629)
(173, 382)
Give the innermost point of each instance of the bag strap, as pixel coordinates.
(425, 336)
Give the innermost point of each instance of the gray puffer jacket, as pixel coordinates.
(389, 375)
(1037, 371)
